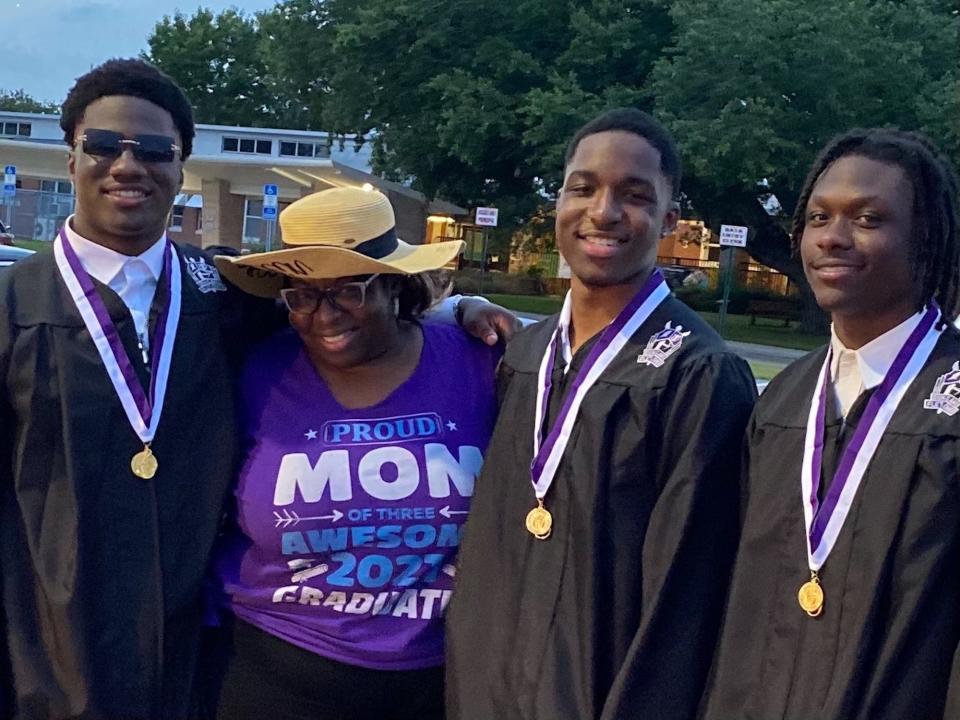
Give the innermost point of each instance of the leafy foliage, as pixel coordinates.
(217, 61)
(474, 100)
(754, 88)
(295, 47)
(19, 101)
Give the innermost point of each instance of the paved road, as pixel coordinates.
(766, 353)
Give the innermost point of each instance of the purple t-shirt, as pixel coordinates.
(348, 521)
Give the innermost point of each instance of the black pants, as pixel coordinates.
(258, 676)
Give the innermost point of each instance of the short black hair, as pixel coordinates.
(638, 123)
(136, 78)
(935, 251)
(418, 293)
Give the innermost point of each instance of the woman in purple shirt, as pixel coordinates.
(364, 432)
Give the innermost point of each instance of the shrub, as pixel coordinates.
(468, 281)
(708, 300)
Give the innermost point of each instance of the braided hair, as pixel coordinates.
(935, 250)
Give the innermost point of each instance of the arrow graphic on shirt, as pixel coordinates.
(447, 512)
(289, 518)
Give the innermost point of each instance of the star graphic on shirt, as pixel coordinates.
(451, 425)
(310, 434)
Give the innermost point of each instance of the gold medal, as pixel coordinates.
(811, 596)
(540, 521)
(144, 463)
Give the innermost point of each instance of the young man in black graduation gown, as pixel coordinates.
(101, 569)
(105, 529)
(874, 640)
(611, 610)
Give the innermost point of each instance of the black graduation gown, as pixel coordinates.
(616, 614)
(883, 647)
(101, 571)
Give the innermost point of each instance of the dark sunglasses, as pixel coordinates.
(346, 297)
(110, 145)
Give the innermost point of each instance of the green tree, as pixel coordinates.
(295, 51)
(938, 109)
(473, 100)
(753, 88)
(19, 101)
(217, 61)
(295, 46)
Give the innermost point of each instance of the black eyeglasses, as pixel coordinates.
(346, 297)
(146, 148)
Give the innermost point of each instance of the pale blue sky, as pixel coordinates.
(46, 44)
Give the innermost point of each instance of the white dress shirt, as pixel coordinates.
(852, 372)
(134, 278)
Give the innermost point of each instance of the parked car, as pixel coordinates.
(6, 237)
(9, 255)
(675, 274)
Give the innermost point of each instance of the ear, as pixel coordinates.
(670, 219)
(72, 165)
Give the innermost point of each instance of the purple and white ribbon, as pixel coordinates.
(143, 408)
(548, 452)
(824, 522)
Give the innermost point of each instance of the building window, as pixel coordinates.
(54, 200)
(304, 149)
(247, 145)
(60, 187)
(176, 218)
(254, 226)
(15, 129)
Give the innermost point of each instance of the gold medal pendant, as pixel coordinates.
(811, 596)
(540, 521)
(144, 463)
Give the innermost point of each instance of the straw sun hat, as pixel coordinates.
(331, 234)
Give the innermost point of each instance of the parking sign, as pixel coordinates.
(269, 202)
(10, 180)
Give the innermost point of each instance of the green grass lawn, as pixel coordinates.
(37, 245)
(765, 332)
(764, 371)
(738, 327)
(538, 304)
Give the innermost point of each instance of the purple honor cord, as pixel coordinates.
(547, 452)
(113, 353)
(854, 460)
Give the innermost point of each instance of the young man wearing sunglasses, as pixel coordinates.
(116, 404)
(117, 353)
